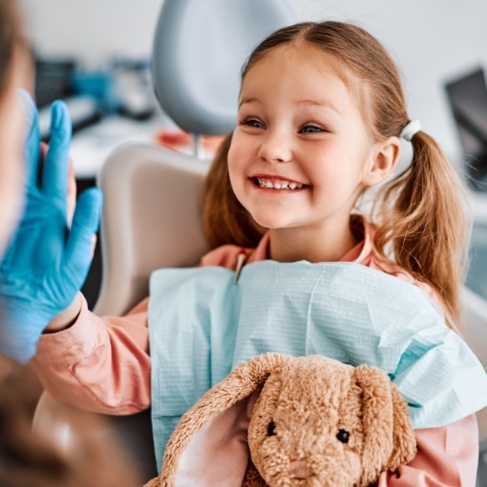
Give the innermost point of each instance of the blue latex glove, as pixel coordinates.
(46, 263)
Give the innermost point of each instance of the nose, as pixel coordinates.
(299, 469)
(275, 148)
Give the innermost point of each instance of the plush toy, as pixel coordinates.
(283, 421)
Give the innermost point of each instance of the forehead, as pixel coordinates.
(305, 53)
(300, 70)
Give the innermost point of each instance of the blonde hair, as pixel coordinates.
(420, 214)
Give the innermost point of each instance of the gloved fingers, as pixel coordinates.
(86, 220)
(32, 149)
(56, 163)
(71, 193)
(70, 185)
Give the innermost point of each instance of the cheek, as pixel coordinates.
(232, 157)
(236, 164)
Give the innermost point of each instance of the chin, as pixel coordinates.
(270, 223)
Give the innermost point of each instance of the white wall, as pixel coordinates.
(92, 30)
(432, 40)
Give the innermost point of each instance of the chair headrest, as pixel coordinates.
(198, 52)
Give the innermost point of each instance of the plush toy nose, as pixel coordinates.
(299, 469)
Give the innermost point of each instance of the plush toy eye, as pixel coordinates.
(271, 429)
(343, 436)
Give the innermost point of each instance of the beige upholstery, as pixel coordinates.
(150, 220)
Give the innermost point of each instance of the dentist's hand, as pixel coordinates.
(46, 263)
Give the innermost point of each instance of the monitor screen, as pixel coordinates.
(468, 102)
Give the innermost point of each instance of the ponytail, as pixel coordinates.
(422, 222)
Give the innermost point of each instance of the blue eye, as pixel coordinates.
(252, 122)
(311, 129)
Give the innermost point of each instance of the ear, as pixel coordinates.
(388, 436)
(210, 441)
(384, 158)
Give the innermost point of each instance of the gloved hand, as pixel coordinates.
(46, 263)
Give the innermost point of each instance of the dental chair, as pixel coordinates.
(151, 216)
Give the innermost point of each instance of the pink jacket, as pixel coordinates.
(103, 365)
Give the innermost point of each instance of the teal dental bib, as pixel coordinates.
(202, 324)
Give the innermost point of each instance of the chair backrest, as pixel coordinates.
(150, 220)
(199, 50)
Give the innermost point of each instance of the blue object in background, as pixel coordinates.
(99, 85)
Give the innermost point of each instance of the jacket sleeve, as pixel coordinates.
(447, 457)
(100, 364)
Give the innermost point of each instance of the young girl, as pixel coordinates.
(321, 114)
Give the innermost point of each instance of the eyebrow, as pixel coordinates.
(317, 103)
(320, 103)
(247, 100)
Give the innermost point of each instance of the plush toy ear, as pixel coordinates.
(404, 440)
(209, 445)
(388, 436)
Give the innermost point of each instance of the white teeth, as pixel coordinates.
(269, 184)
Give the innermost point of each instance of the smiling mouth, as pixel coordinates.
(268, 183)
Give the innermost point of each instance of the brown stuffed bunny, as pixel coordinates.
(307, 421)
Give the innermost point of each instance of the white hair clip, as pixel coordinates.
(410, 130)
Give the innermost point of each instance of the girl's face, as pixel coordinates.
(301, 153)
